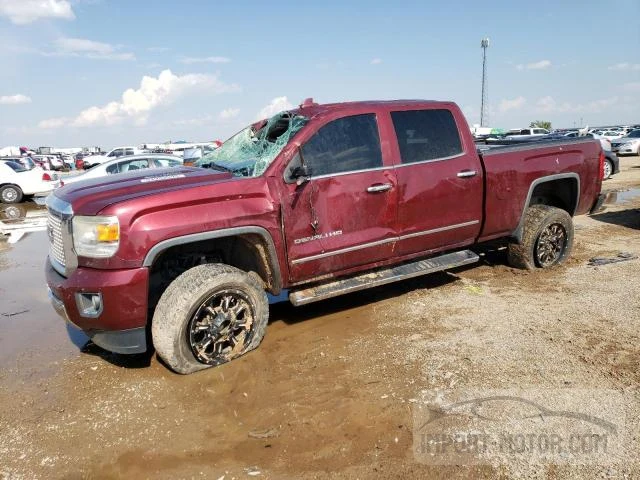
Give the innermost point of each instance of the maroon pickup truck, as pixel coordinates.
(321, 200)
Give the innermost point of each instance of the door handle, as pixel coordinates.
(467, 173)
(382, 187)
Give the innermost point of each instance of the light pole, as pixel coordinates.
(484, 44)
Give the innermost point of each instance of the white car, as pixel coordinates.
(127, 164)
(16, 181)
(611, 134)
(93, 160)
(630, 144)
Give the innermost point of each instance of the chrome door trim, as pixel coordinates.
(382, 242)
(343, 250)
(439, 229)
(431, 160)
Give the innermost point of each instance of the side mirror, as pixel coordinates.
(301, 174)
(298, 172)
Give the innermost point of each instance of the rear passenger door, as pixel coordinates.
(345, 215)
(440, 182)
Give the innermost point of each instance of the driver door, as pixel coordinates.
(344, 216)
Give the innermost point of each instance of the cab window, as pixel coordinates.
(425, 135)
(344, 145)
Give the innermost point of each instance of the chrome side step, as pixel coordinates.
(382, 277)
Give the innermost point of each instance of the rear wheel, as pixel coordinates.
(10, 194)
(209, 315)
(547, 238)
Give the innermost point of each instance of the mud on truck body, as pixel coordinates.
(321, 200)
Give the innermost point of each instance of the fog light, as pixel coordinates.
(89, 304)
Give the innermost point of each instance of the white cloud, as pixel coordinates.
(506, 104)
(276, 105)
(228, 113)
(376, 61)
(17, 99)
(21, 12)
(541, 65)
(82, 47)
(194, 122)
(135, 105)
(53, 123)
(632, 86)
(192, 60)
(549, 105)
(622, 67)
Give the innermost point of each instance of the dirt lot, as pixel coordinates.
(332, 390)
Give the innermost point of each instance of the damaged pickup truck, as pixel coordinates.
(321, 200)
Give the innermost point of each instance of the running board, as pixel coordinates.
(382, 277)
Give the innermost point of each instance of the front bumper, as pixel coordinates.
(120, 326)
(625, 149)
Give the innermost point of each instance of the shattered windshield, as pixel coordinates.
(249, 152)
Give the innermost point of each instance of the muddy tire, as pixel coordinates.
(547, 239)
(209, 315)
(10, 194)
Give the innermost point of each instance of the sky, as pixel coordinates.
(105, 73)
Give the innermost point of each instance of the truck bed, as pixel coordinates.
(511, 173)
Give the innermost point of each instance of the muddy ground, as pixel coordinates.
(332, 389)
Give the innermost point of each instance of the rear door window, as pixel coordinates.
(344, 145)
(425, 135)
(131, 165)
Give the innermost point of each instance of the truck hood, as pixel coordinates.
(89, 197)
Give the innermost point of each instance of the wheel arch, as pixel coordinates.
(560, 190)
(254, 241)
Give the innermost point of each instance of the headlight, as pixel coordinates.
(96, 237)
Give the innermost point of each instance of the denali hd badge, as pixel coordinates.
(320, 236)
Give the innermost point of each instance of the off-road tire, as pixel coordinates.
(10, 194)
(537, 219)
(182, 298)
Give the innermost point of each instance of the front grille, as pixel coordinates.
(56, 243)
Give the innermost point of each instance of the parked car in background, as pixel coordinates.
(16, 181)
(611, 164)
(611, 134)
(26, 162)
(94, 160)
(517, 135)
(627, 145)
(126, 164)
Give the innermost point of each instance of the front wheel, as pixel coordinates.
(209, 315)
(547, 239)
(10, 194)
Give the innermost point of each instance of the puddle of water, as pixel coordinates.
(29, 327)
(621, 197)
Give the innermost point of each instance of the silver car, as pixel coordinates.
(127, 164)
